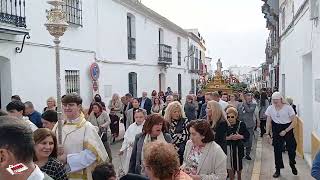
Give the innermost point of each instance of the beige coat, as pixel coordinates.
(213, 161)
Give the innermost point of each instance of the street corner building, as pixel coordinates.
(122, 47)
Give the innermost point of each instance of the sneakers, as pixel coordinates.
(276, 174)
(294, 169)
(248, 158)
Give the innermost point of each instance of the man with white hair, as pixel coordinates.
(281, 118)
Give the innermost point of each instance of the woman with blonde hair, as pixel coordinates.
(177, 125)
(51, 104)
(115, 104)
(219, 126)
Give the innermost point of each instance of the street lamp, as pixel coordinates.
(57, 25)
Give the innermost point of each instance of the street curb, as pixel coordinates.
(257, 162)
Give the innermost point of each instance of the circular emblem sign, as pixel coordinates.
(94, 71)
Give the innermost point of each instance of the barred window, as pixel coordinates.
(73, 10)
(72, 79)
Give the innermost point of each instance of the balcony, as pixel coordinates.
(165, 54)
(131, 48)
(12, 17)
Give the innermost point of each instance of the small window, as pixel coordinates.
(283, 19)
(73, 10)
(131, 36)
(72, 79)
(133, 84)
(179, 50)
(179, 85)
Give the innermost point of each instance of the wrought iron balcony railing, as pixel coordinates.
(131, 48)
(13, 12)
(165, 54)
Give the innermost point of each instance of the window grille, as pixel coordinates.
(73, 10)
(72, 79)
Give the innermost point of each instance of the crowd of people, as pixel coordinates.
(205, 138)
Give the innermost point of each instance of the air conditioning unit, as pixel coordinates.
(314, 9)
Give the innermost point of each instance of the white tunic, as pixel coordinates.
(30, 124)
(127, 144)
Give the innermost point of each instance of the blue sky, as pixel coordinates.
(234, 30)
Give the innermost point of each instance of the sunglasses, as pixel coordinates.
(230, 117)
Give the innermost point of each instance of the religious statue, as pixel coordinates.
(219, 66)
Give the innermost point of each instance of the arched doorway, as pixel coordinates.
(5, 81)
(162, 82)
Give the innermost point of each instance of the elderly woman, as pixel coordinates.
(281, 118)
(177, 124)
(160, 156)
(45, 149)
(203, 158)
(236, 134)
(51, 104)
(219, 126)
(101, 120)
(152, 130)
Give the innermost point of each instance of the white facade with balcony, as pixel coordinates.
(136, 49)
(300, 65)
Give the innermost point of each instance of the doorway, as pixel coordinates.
(5, 82)
(162, 82)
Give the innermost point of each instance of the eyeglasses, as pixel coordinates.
(230, 117)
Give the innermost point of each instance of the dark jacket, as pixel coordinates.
(221, 134)
(35, 118)
(201, 100)
(203, 112)
(190, 110)
(135, 160)
(147, 105)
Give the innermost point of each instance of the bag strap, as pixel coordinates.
(238, 127)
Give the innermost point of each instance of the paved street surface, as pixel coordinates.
(267, 165)
(263, 164)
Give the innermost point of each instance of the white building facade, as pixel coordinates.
(300, 65)
(135, 48)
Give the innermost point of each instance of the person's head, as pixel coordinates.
(169, 89)
(232, 115)
(49, 119)
(128, 97)
(97, 98)
(224, 97)
(189, 98)
(263, 98)
(45, 144)
(15, 98)
(115, 97)
(216, 96)
(71, 105)
(161, 93)
(104, 171)
(97, 108)
(169, 99)
(214, 112)
(144, 94)
(156, 100)
(135, 103)
(139, 116)
(248, 97)
(161, 160)
(277, 99)
(200, 93)
(51, 102)
(16, 144)
(29, 108)
(154, 93)
(124, 100)
(174, 111)
(3, 113)
(233, 97)
(208, 96)
(176, 96)
(153, 125)
(289, 100)
(200, 132)
(16, 109)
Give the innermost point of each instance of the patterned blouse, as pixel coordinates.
(194, 159)
(55, 169)
(178, 131)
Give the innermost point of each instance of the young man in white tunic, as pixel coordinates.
(129, 138)
(82, 148)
